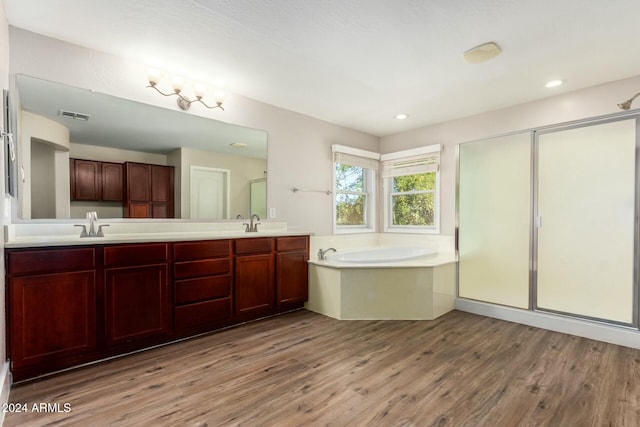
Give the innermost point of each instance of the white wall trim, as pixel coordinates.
(5, 378)
(337, 148)
(582, 328)
(428, 149)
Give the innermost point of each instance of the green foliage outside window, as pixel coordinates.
(350, 195)
(413, 199)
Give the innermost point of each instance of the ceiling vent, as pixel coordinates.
(74, 115)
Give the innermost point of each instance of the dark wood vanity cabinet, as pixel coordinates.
(149, 191)
(291, 270)
(202, 285)
(71, 305)
(96, 181)
(136, 292)
(254, 277)
(52, 297)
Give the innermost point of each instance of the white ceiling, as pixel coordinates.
(359, 62)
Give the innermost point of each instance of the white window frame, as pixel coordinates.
(431, 152)
(361, 158)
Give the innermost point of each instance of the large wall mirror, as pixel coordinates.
(57, 122)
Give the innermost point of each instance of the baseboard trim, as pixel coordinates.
(5, 377)
(583, 328)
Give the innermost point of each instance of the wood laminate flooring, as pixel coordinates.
(304, 369)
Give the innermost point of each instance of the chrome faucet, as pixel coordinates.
(322, 255)
(252, 227)
(92, 217)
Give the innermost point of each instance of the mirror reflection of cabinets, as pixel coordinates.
(95, 181)
(145, 190)
(119, 130)
(148, 191)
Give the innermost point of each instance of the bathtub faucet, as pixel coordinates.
(322, 254)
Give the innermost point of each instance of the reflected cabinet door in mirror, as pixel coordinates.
(138, 176)
(95, 181)
(149, 191)
(85, 182)
(112, 181)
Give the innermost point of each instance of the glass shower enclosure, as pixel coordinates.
(547, 220)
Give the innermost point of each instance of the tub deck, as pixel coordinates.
(416, 289)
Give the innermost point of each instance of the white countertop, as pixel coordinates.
(25, 235)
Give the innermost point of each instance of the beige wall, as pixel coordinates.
(116, 155)
(43, 189)
(299, 151)
(35, 127)
(4, 217)
(577, 105)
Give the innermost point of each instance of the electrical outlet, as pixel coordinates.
(272, 212)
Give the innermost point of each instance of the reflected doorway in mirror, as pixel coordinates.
(209, 193)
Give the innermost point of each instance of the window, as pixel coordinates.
(355, 189)
(411, 188)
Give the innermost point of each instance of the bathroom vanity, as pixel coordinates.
(90, 300)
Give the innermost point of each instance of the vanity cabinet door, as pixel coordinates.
(52, 316)
(254, 285)
(137, 304)
(51, 309)
(291, 270)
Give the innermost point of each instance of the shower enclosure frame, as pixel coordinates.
(534, 214)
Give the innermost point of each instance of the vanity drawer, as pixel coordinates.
(135, 255)
(188, 251)
(204, 288)
(254, 246)
(202, 314)
(207, 267)
(50, 260)
(296, 243)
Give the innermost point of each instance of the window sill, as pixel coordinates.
(353, 230)
(412, 230)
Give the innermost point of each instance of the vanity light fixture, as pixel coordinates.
(627, 104)
(402, 116)
(154, 76)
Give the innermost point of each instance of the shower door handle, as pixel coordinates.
(538, 221)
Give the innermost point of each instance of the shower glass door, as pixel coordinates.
(585, 221)
(494, 211)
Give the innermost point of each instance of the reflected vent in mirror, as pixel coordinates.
(74, 115)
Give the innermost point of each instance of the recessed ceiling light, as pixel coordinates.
(554, 83)
(402, 116)
(238, 144)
